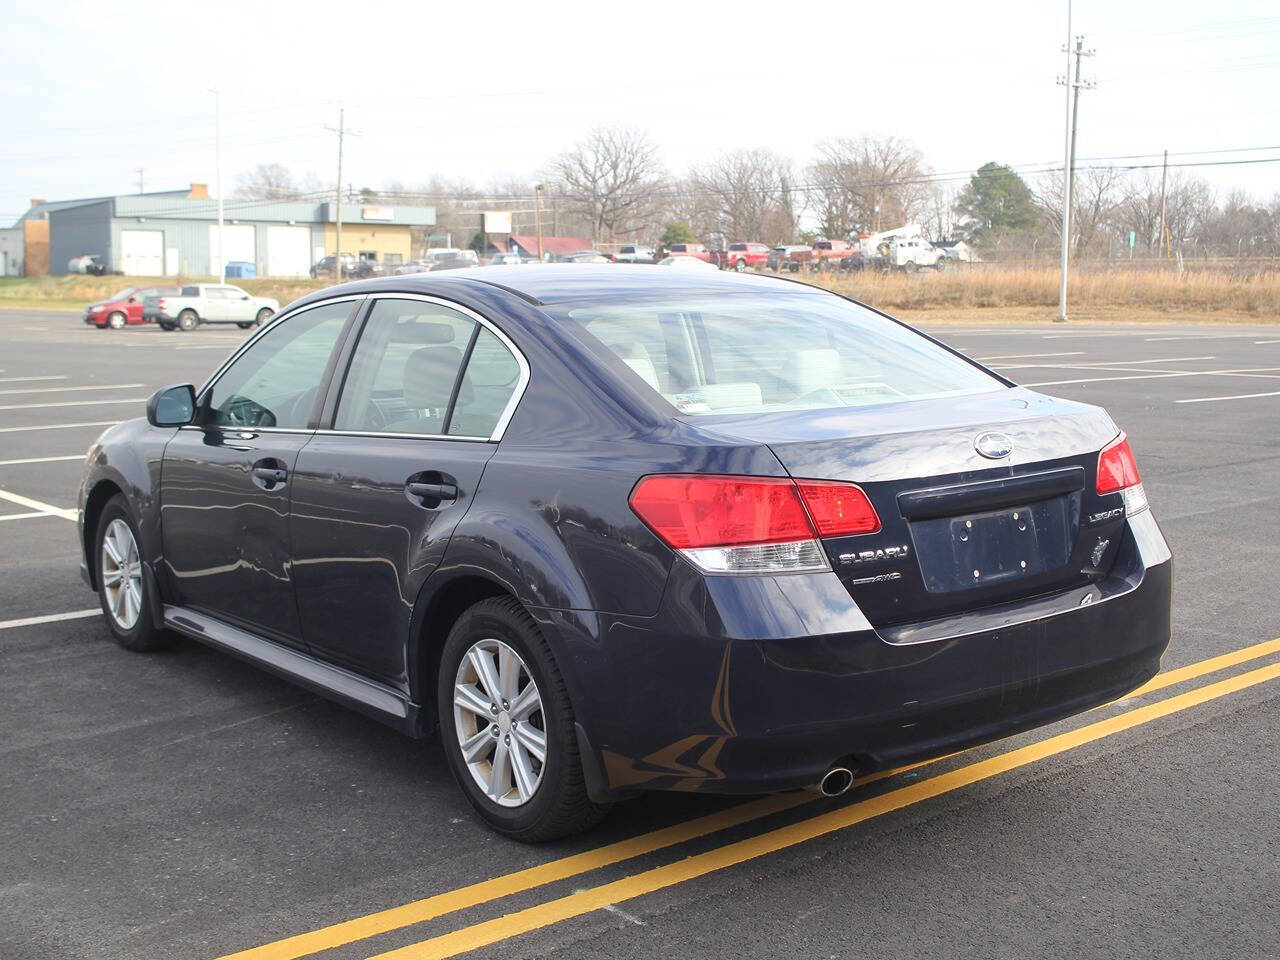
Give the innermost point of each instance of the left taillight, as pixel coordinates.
(1118, 473)
(732, 524)
(160, 304)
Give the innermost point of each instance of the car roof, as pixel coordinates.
(560, 282)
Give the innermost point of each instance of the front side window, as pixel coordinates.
(426, 369)
(275, 381)
(718, 355)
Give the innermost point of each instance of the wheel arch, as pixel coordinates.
(100, 494)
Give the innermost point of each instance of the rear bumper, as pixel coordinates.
(749, 685)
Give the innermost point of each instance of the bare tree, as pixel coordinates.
(267, 181)
(867, 184)
(1096, 199)
(747, 195)
(610, 179)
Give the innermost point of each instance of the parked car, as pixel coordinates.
(689, 250)
(87, 263)
(123, 308)
(412, 266)
(585, 256)
(634, 253)
(684, 531)
(455, 263)
(740, 256)
(686, 261)
(506, 259)
(201, 303)
(829, 253)
(326, 267)
(789, 257)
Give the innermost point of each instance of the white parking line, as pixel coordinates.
(69, 403)
(28, 379)
(40, 505)
(1132, 365)
(50, 618)
(60, 426)
(1266, 341)
(14, 463)
(1029, 356)
(1202, 336)
(1238, 396)
(1153, 376)
(113, 386)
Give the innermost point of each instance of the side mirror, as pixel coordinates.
(245, 297)
(172, 406)
(133, 299)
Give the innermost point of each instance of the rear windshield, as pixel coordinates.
(737, 354)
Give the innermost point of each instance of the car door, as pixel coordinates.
(226, 480)
(428, 390)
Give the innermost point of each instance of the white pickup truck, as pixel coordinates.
(199, 303)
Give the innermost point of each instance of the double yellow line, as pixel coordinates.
(586, 901)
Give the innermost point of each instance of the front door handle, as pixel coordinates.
(269, 473)
(433, 491)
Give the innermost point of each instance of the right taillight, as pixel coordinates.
(730, 524)
(1118, 473)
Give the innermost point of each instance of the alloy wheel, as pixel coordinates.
(497, 713)
(122, 574)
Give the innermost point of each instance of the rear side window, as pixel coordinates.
(426, 369)
(274, 382)
(714, 355)
(190, 291)
(737, 246)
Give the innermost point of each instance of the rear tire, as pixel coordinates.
(265, 314)
(116, 321)
(558, 804)
(188, 320)
(740, 266)
(166, 325)
(123, 589)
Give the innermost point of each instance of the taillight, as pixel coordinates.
(1118, 473)
(838, 509)
(160, 304)
(728, 524)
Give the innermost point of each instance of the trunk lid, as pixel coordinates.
(960, 531)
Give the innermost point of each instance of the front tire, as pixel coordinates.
(166, 325)
(187, 320)
(740, 266)
(123, 589)
(243, 324)
(116, 321)
(502, 701)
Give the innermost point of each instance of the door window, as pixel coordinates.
(275, 381)
(426, 369)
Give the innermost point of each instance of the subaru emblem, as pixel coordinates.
(993, 446)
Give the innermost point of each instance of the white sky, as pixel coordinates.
(490, 89)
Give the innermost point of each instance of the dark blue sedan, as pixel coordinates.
(614, 529)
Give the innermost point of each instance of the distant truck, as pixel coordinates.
(740, 256)
(689, 250)
(909, 254)
(789, 256)
(199, 303)
(634, 253)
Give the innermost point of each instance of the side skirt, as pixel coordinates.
(366, 696)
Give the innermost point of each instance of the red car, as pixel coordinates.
(124, 307)
(740, 256)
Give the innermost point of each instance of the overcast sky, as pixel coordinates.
(491, 90)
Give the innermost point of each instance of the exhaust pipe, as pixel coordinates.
(836, 781)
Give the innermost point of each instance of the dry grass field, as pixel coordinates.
(986, 293)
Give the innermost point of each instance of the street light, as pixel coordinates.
(222, 250)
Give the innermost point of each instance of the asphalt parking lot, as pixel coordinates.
(187, 805)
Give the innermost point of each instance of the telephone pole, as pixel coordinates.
(537, 213)
(222, 249)
(1075, 106)
(341, 131)
(140, 172)
(1164, 177)
(1066, 181)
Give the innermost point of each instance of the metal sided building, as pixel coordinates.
(176, 233)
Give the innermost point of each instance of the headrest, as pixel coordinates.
(429, 374)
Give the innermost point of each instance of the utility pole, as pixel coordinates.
(1066, 181)
(140, 171)
(222, 249)
(537, 213)
(1075, 107)
(1164, 178)
(337, 229)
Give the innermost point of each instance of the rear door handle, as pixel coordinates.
(433, 491)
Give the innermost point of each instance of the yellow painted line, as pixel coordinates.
(485, 891)
(512, 883)
(1171, 677)
(628, 888)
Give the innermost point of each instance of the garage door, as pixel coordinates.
(288, 251)
(142, 253)
(240, 244)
